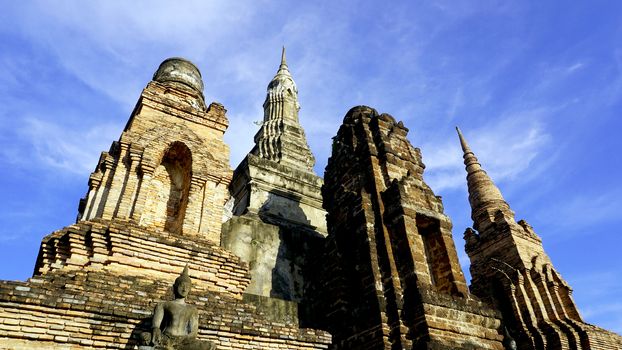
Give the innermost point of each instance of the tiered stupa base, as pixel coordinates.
(106, 302)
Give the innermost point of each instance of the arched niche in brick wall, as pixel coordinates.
(169, 188)
(154, 142)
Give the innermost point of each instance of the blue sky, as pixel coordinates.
(534, 85)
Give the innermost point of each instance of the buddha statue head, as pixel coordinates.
(182, 284)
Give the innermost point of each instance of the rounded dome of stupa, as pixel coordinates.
(179, 70)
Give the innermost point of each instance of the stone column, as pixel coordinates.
(456, 275)
(118, 182)
(130, 186)
(210, 205)
(102, 191)
(95, 181)
(142, 192)
(193, 214)
(99, 240)
(77, 248)
(417, 247)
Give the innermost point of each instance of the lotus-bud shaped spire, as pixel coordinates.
(281, 137)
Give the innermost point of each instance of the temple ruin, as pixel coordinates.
(277, 256)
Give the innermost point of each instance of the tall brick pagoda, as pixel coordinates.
(278, 222)
(154, 204)
(512, 272)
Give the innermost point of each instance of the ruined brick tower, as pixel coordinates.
(169, 171)
(512, 272)
(391, 277)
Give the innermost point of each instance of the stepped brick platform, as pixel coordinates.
(122, 247)
(97, 284)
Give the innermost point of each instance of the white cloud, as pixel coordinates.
(610, 312)
(582, 210)
(105, 44)
(239, 136)
(73, 151)
(9, 236)
(574, 67)
(505, 150)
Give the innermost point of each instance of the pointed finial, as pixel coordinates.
(283, 69)
(470, 160)
(463, 143)
(283, 60)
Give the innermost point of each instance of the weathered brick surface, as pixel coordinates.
(125, 248)
(95, 308)
(170, 168)
(390, 276)
(511, 271)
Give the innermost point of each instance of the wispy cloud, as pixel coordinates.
(73, 151)
(107, 57)
(9, 236)
(597, 284)
(574, 67)
(597, 295)
(240, 137)
(505, 150)
(608, 314)
(582, 210)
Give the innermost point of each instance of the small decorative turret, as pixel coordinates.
(487, 203)
(281, 138)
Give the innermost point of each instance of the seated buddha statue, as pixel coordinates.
(175, 323)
